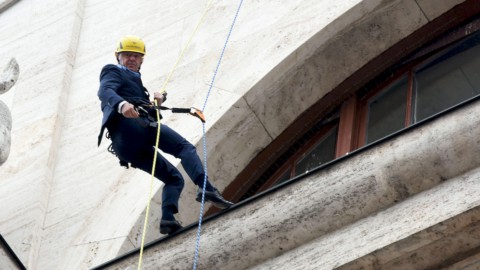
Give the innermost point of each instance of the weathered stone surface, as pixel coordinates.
(7, 79)
(5, 128)
(342, 47)
(449, 243)
(440, 7)
(9, 76)
(431, 230)
(5, 261)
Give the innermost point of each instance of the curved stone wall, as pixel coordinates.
(73, 206)
(334, 52)
(366, 201)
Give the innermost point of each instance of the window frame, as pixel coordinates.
(309, 146)
(450, 27)
(407, 70)
(364, 100)
(289, 164)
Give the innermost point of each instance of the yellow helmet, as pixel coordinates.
(131, 44)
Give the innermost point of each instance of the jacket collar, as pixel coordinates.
(136, 74)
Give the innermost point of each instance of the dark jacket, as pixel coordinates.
(116, 85)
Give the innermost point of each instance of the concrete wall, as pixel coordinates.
(5, 261)
(70, 206)
(8, 259)
(40, 35)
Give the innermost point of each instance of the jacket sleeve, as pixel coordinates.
(110, 82)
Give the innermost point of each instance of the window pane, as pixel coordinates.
(449, 80)
(284, 177)
(322, 152)
(386, 111)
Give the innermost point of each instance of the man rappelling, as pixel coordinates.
(132, 128)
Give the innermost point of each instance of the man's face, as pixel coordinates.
(130, 60)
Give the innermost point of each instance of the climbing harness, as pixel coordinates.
(192, 111)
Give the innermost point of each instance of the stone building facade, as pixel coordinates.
(329, 166)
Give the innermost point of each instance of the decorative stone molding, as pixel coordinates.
(7, 79)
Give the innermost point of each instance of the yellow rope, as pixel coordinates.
(158, 133)
(151, 190)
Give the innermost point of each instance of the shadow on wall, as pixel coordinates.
(7, 79)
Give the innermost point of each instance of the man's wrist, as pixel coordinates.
(120, 105)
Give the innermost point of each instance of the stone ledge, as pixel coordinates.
(359, 186)
(441, 6)
(431, 230)
(442, 245)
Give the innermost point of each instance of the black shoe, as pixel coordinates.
(214, 197)
(169, 226)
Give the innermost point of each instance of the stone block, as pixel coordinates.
(440, 7)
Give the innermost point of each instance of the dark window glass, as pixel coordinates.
(448, 80)
(284, 177)
(386, 111)
(322, 152)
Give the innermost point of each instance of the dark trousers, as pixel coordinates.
(135, 144)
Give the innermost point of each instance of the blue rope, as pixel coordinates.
(197, 244)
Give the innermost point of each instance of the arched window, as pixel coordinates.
(426, 87)
(316, 147)
(442, 73)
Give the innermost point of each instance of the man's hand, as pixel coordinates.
(129, 111)
(159, 97)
